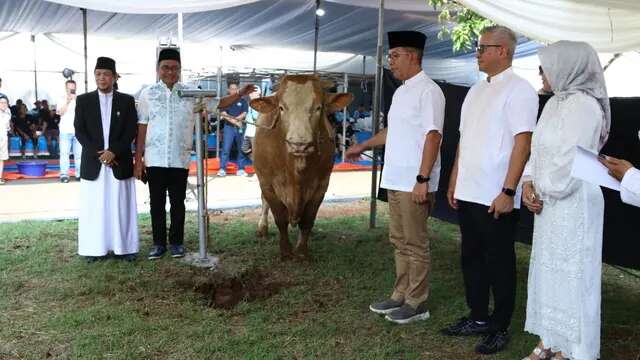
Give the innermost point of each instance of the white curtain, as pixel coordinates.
(608, 25)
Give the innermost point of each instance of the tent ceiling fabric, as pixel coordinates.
(281, 23)
(188, 6)
(152, 6)
(608, 25)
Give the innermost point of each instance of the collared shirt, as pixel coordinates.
(237, 108)
(492, 114)
(170, 123)
(106, 102)
(416, 109)
(66, 119)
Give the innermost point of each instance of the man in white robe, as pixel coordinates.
(105, 125)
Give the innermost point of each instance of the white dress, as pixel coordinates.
(563, 302)
(107, 219)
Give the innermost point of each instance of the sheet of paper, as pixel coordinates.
(587, 167)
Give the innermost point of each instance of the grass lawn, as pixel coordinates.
(54, 305)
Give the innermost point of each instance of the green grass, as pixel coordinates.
(54, 305)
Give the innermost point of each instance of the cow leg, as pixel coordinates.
(306, 224)
(263, 223)
(281, 217)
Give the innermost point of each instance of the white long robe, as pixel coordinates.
(563, 302)
(108, 216)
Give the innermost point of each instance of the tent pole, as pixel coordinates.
(344, 118)
(219, 92)
(180, 31)
(84, 34)
(317, 33)
(376, 113)
(35, 66)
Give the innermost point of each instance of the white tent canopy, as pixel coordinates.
(608, 25)
(246, 34)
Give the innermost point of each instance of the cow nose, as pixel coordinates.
(299, 148)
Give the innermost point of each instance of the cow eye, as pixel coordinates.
(319, 108)
(281, 108)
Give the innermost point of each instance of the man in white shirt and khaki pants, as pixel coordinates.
(411, 174)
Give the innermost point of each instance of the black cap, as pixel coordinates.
(106, 63)
(414, 39)
(169, 54)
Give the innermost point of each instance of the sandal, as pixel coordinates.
(540, 354)
(558, 356)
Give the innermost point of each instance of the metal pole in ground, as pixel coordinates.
(344, 121)
(376, 113)
(201, 259)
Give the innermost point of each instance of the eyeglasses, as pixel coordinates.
(481, 48)
(170, 68)
(395, 55)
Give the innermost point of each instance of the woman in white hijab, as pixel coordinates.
(563, 302)
(5, 119)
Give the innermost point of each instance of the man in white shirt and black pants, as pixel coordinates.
(497, 119)
(411, 174)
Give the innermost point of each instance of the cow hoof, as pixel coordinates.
(262, 231)
(286, 257)
(302, 256)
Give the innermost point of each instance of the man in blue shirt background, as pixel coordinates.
(234, 116)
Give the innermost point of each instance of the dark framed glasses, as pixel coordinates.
(480, 48)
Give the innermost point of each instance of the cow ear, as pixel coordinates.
(265, 104)
(335, 102)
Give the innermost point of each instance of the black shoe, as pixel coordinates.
(466, 327)
(493, 342)
(407, 314)
(177, 251)
(64, 179)
(385, 307)
(129, 257)
(156, 252)
(91, 259)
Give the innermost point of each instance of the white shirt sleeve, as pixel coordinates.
(143, 107)
(522, 109)
(432, 109)
(630, 187)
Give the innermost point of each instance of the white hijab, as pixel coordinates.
(572, 67)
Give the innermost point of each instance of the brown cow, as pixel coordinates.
(294, 154)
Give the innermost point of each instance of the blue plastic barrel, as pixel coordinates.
(32, 168)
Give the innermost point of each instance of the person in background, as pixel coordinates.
(25, 126)
(1, 94)
(563, 292)
(248, 144)
(66, 110)
(232, 131)
(49, 121)
(5, 120)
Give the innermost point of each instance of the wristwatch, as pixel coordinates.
(509, 192)
(421, 179)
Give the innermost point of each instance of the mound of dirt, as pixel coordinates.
(225, 291)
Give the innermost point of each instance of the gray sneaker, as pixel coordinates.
(385, 307)
(407, 314)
